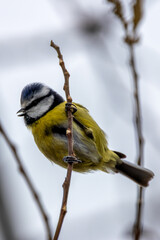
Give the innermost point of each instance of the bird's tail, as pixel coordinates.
(140, 175)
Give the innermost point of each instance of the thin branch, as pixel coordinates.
(69, 133)
(137, 228)
(26, 177)
(131, 39)
(138, 118)
(64, 70)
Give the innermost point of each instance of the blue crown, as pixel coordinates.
(29, 91)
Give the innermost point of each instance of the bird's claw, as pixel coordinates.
(71, 160)
(71, 107)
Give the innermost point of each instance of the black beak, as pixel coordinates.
(21, 112)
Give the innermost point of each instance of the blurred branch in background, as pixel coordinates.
(131, 39)
(5, 221)
(30, 184)
(71, 158)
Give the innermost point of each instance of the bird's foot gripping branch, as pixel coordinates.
(70, 107)
(71, 160)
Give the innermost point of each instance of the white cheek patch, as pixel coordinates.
(42, 107)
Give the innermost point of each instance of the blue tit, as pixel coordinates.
(44, 114)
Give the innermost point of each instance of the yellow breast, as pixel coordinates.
(50, 136)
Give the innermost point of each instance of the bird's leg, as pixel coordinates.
(71, 159)
(70, 106)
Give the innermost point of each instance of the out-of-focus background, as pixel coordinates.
(100, 206)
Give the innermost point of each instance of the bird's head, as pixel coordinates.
(36, 100)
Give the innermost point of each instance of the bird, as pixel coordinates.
(44, 113)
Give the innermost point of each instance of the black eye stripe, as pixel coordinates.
(36, 101)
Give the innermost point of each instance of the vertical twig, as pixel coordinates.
(66, 183)
(138, 118)
(131, 39)
(137, 228)
(137, 16)
(30, 184)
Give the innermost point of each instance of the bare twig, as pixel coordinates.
(66, 183)
(138, 118)
(30, 184)
(131, 39)
(137, 228)
(64, 70)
